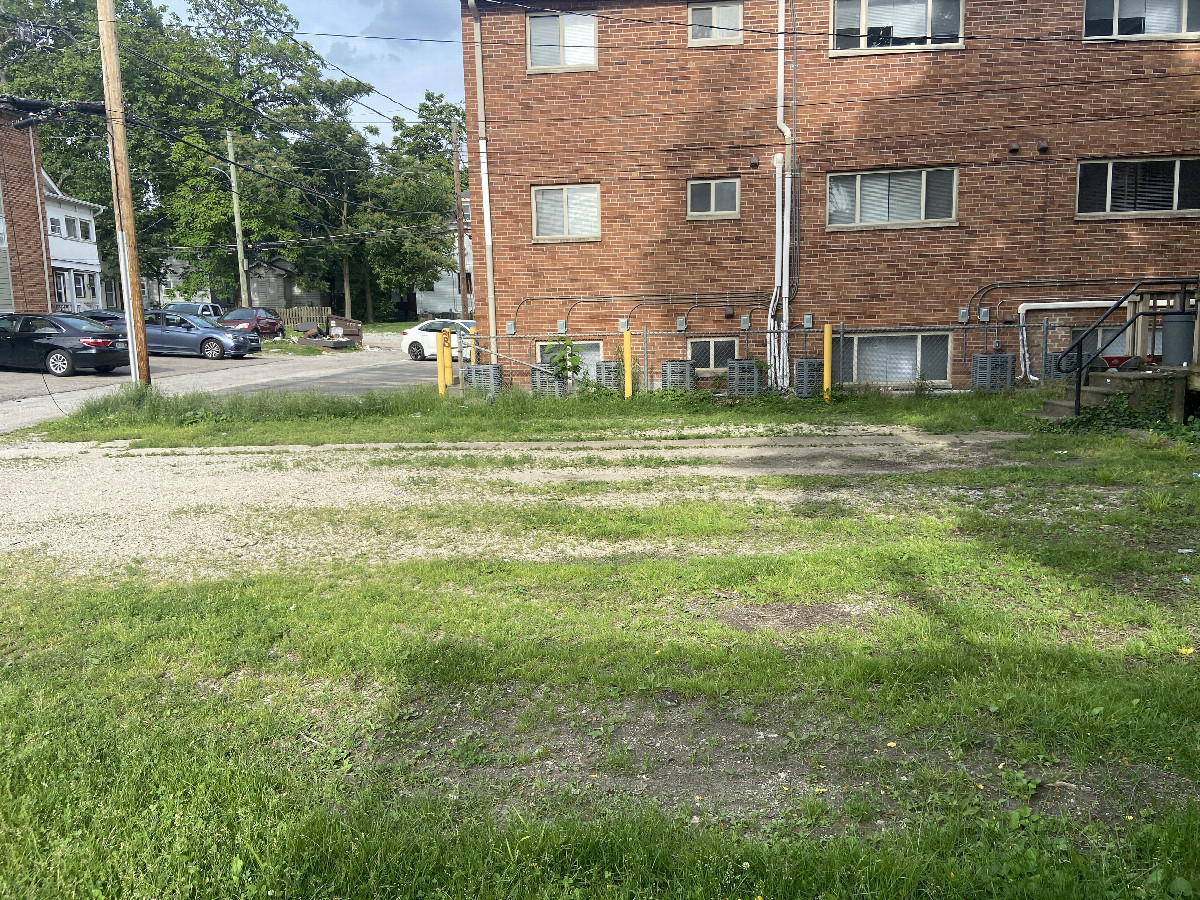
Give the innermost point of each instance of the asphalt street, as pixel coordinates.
(27, 397)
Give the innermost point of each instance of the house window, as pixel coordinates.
(590, 353)
(1141, 18)
(110, 294)
(85, 229)
(1139, 187)
(3, 233)
(561, 41)
(891, 358)
(55, 226)
(888, 24)
(72, 227)
(1100, 338)
(907, 198)
(711, 355)
(566, 213)
(717, 199)
(711, 24)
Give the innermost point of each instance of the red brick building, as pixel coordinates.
(944, 155)
(24, 248)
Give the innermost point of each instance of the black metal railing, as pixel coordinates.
(1076, 349)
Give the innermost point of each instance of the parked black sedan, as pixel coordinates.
(113, 318)
(60, 344)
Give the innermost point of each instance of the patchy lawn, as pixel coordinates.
(857, 663)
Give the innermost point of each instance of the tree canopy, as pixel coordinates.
(344, 206)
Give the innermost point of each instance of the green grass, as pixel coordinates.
(153, 419)
(388, 327)
(480, 725)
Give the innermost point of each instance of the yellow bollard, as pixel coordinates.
(628, 364)
(447, 358)
(828, 363)
(473, 351)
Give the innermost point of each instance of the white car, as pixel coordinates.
(421, 342)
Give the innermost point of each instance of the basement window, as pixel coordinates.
(903, 199)
(561, 42)
(882, 25)
(712, 24)
(590, 353)
(1133, 188)
(1141, 19)
(891, 358)
(712, 355)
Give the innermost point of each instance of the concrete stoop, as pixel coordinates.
(1161, 387)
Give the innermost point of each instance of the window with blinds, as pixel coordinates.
(568, 212)
(1140, 18)
(561, 41)
(714, 23)
(884, 24)
(912, 197)
(1139, 187)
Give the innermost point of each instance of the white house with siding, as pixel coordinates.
(74, 257)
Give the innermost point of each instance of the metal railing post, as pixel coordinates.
(1078, 376)
(646, 358)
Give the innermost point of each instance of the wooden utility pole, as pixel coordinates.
(346, 259)
(243, 276)
(118, 155)
(462, 249)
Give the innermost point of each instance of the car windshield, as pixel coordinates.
(84, 324)
(183, 307)
(240, 314)
(202, 321)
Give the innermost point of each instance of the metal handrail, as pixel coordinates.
(1076, 346)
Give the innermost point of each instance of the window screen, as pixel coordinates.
(935, 357)
(1093, 187)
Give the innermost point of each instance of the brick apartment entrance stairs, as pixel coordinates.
(1138, 386)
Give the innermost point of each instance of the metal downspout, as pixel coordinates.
(781, 375)
(483, 180)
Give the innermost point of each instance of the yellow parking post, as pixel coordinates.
(474, 361)
(828, 362)
(628, 364)
(446, 360)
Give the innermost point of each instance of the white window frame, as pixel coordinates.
(86, 225)
(1152, 36)
(70, 223)
(566, 237)
(539, 346)
(712, 183)
(863, 50)
(858, 225)
(715, 370)
(1174, 213)
(56, 226)
(725, 41)
(853, 340)
(594, 66)
(3, 234)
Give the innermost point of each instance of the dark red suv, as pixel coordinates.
(262, 320)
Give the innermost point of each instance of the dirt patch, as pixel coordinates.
(715, 762)
(785, 617)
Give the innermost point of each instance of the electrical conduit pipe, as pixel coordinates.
(1057, 304)
(784, 226)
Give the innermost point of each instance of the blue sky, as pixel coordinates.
(403, 70)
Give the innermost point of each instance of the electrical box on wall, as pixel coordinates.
(510, 327)
(964, 315)
(622, 325)
(745, 323)
(681, 323)
(808, 320)
(985, 314)
(562, 326)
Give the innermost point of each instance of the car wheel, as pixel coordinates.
(104, 370)
(59, 363)
(212, 349)
(416, 351)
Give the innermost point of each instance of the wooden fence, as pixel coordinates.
(293, 317)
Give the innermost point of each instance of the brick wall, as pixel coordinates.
(20, 185)
(656, 113)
